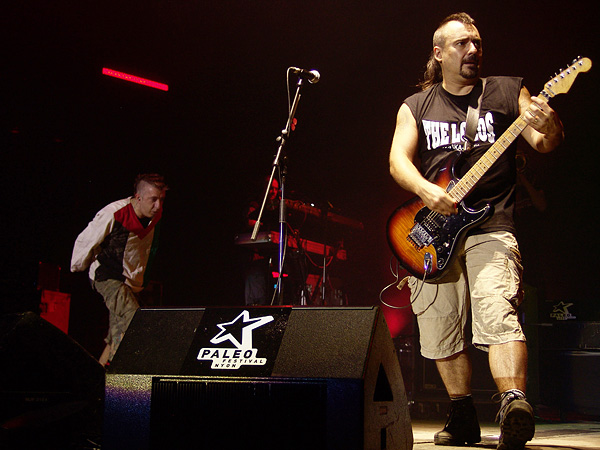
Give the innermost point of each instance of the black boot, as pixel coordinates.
(462, 426)
(517, 424)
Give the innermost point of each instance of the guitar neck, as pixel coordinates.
(466, 184)
(559, 84)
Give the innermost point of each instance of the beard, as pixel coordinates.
(471, 70)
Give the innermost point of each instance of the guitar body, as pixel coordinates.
(423, 241)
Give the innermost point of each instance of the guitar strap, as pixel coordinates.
(473, 115)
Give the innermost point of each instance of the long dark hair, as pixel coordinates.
(433, 70)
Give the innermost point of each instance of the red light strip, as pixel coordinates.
(134, 79)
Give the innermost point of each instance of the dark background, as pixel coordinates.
(74, 139)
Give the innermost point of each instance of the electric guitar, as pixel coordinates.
(424, 241)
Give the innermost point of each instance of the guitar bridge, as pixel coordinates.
(419, 236)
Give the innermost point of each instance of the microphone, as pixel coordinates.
(313, 76)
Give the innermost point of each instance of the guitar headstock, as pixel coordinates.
(562, 82)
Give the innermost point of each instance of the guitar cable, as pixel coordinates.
(400, 285)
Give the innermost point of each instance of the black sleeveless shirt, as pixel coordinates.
(441, 121)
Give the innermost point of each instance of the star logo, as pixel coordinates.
(561, 311)
(239, 333)
(231, 330)
(562, 307)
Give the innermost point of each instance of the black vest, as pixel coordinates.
(441, 120)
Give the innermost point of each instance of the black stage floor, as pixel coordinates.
(548, 436)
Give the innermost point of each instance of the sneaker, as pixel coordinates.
(517, 424)
(462, 426)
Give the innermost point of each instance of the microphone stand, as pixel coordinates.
(324, 274)
(282, 170)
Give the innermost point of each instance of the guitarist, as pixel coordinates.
(486, 273)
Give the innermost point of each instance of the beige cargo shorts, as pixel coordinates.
(485, 278)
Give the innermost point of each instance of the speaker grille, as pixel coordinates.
(209, 413)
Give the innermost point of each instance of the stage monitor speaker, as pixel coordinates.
(431, 398)
(51, 389)
(266, 377)
(569, 361)
(482, 383)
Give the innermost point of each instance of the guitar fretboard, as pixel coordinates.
(474, 174)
